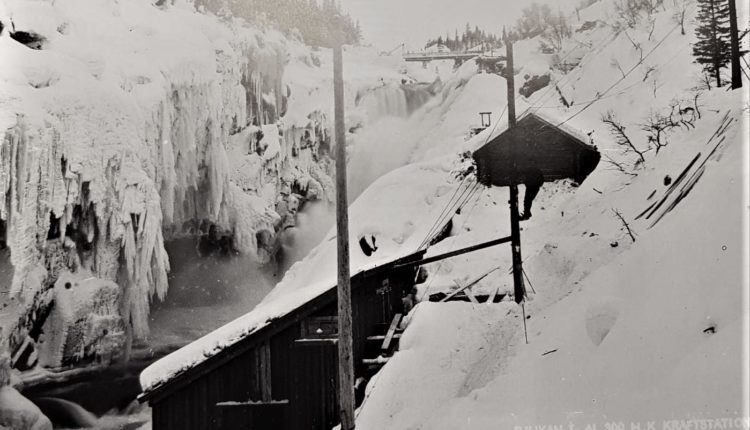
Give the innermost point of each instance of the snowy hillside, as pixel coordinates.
(621, 330)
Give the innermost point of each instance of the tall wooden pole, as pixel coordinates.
(511, 83)
(346, 360)
(735, 44)
(519, 290)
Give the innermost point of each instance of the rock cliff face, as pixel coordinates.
(115, 141)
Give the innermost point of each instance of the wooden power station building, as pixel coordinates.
(285, 374)
(282, 373)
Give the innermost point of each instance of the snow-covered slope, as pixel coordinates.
(650, 330)
(622, 332)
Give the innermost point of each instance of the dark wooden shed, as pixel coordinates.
(535, 146)
(283, 375)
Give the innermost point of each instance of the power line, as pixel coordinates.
(432, 278)
(599, 96)
(450, 206)
(446, 212)
(450, 202)
(602, 96)
(455, 208)
(547, 94)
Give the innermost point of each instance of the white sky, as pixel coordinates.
(387, 23)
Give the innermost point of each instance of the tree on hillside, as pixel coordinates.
(315, 20)
(534, 20)
(469, 39)
(632, 11)
(713, 50)
(557, 29)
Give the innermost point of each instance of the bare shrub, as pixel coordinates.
(621, 138)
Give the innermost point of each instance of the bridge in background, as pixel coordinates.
(457, 57)
(432, 56)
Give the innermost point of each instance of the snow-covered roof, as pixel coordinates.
(553, 120)
(398, 209)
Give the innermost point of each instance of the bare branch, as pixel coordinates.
(625, 224)
(618, 130)
(618, 166)
(680, 114)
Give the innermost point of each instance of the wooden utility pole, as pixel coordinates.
(735, 44)
(519, 290)
(346, 360)
(511, 83)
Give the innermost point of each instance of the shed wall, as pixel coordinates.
(305, 375)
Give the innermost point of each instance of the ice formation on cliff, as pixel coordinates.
(116, 138)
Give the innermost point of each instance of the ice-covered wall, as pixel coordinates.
(131, 125)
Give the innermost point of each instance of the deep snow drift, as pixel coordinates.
(621, 332)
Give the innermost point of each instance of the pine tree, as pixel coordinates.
(713, 50)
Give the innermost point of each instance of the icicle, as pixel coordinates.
(119, 174)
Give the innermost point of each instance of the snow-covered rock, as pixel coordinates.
(16, 411)
(84, 324)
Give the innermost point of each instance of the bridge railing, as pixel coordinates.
(426, 56)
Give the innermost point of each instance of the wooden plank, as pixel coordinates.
(250, 403)
(381, 337)
(674, 185)
(265, 371)
(315, 342)
(467, 291)
(454, 253)
(491, 298)
(379, 361)
(470, 284)
(391, 331)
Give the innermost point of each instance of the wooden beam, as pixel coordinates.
(470, 284)
(509, 79)
(315, 342)
(381, 337)
(266, 382)
(467, 291)
(345, 345)
(391, 331)
(377, 361)
(491, 298)
(250, 403)
(454, 253)
(519, 290)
